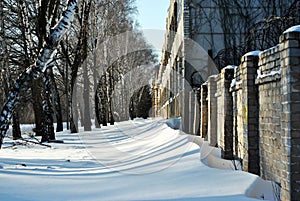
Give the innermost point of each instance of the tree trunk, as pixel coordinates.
(16, 130)
(74, 112)
(110, 91)
(97, 110)
(103, 109)
(48, 129)
(104, 105)
(95, 76)
(81, 113)
(67, 95)
(56, 99)
(86, 100)
(74, 122)
(39, 115)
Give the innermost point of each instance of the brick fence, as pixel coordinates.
(252, 112)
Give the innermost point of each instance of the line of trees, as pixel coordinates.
(85, 66)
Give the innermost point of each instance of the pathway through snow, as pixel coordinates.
(133, 160)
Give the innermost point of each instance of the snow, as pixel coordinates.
(271, 74)
(293, 29)
(253, 53)
(132, 160)
(230, 67)
(174, 123)
(235, 83)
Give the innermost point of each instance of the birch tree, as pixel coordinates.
(35, 71)
(48, 11)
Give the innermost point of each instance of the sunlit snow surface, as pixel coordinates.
(253, 53)
(133, 160)
(293, 29)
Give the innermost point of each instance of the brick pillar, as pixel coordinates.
(212, 111)
(171, 93)
(185, 107)
(234, 124)
(168, 96)
(248, 68)
(226, 114)
(203, 111)
(196, 128)
(177, 106)
(290, 116)
(191, 111)
(234, 91)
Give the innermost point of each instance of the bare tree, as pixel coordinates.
(240, 26)
(265, 33)
(76, 58)
(22, 83)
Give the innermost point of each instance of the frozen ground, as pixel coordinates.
(133, 160)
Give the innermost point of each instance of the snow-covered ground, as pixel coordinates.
(133, 160)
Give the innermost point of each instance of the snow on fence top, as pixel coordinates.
(293, 29)
(230, 67)
(253, 53)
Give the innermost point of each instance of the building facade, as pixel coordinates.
(201, 38)
(186, 62)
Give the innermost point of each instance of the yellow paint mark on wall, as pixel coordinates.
(245, 114)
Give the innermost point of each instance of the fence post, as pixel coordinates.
(203, 111)
(290, 115)
(212, 111)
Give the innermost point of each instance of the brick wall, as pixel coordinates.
(257, 118)
(269, 89)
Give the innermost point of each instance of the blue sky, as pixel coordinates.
(152, 13)
(152, 19)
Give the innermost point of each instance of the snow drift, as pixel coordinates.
(133, 160)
